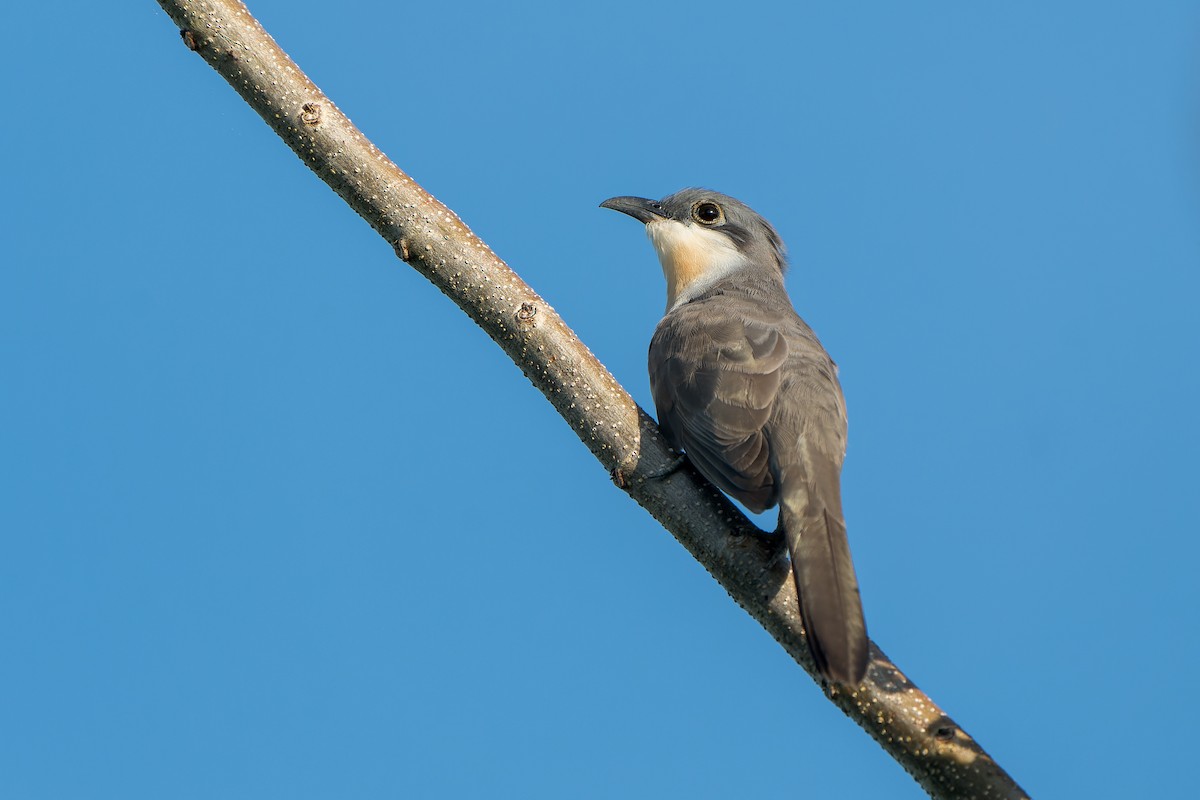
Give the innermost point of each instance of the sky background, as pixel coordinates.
(269, 526)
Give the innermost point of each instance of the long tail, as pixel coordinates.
(811, 518)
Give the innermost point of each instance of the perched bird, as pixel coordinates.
(744, 389)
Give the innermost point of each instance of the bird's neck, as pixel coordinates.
(692, 258)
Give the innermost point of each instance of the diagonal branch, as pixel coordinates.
(435, 242)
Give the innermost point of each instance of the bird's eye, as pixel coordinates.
(707, 213)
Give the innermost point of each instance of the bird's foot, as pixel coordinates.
(667, 471)
(776, 547)
(770, 543)
(622, 478)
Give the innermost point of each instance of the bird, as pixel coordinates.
(744, 389)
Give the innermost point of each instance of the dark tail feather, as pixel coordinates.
(824, 573)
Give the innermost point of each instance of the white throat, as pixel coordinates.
(693, 258)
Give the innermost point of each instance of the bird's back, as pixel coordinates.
(717, 366)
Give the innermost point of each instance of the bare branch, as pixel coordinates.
(435, 242)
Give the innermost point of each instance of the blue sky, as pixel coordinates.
(278, 521)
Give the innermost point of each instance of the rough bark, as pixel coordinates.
(433, 240)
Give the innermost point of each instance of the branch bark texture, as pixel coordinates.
(433, 240)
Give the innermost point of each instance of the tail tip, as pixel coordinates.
(849, 671)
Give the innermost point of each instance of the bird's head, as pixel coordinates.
(703, 236)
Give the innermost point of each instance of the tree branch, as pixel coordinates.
(435, 242)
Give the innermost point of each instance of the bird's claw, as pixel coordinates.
(667, 471)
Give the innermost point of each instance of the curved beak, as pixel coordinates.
(639, 208)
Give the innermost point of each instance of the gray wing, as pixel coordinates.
(816, 411)
(714, 378)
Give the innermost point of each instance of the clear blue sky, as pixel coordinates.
(278, 521)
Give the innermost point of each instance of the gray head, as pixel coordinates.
(703, 236)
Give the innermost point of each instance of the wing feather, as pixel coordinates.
(714, 385)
